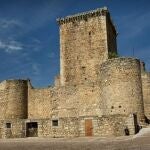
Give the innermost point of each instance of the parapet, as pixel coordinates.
(121, 63)
(15, 80)
(83, 16)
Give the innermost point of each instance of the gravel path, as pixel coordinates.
(141, 142)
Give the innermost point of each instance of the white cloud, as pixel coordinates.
(10, 46)
(5, 24)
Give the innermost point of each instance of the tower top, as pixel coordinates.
(84, 15)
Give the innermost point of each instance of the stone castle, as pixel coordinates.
(96, 94)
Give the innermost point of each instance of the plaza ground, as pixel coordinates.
(140, 141)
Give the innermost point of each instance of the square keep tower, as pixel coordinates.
(86, 40)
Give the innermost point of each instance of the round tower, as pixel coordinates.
(121, 87)
(16, 99)
(146, 92)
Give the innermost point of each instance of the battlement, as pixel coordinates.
(83, 16)
(120, 60)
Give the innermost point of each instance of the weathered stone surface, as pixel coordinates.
(146, 92)
(120, 82)
(13, 99)
(92, 96)
(84, 45)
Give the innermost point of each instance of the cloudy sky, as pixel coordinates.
(29, 35)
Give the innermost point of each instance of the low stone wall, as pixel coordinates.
(73, 127)
(113, 125)
(67, 127)
(16, 128)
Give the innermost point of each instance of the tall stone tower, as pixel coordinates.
(86, 40)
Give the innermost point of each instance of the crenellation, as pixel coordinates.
(83, 16)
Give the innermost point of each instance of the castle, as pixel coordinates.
(96, 94)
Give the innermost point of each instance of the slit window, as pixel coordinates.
(54, 123)
(112, 107)
(8, 125)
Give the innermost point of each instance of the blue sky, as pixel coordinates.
(29, 34)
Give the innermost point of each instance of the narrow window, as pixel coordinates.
(55, 123)
(112, 107)
(8, 125)
(83, 67)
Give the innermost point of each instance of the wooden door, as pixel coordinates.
(88, 127)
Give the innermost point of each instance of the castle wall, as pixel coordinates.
(106, 93)
(13, 102)
(83, 47)
(121, 87)
(17, 129)
(112, 125)
(68, 127)
(146, 92)
(56, 102)
(65, 104)
(79, 101)
(61, 102)
(74, 127)
(3, 101)
(39, 103)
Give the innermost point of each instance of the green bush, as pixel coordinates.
(112, 55)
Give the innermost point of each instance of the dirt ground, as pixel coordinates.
(137, 142)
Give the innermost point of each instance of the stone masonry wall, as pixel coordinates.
(3, 101)
(112, 125)
(146, 92)
(13, 99)
(121, 87)
(61, 102)
(16, 130)
(39, 103)
(83, 46)
(68, 127)
(71, 127)
(71, 105)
